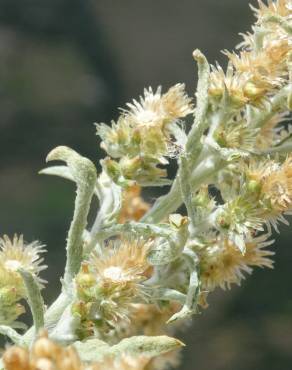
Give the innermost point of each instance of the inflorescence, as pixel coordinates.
(142, 268)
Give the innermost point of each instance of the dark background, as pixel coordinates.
(65, 64)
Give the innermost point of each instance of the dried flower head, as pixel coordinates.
(222, 264)
(232, 83)
(151, 320)
(265, 74)
(273, 182)
(236, 134)
(43, 355)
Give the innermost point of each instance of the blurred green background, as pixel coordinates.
(66, 64)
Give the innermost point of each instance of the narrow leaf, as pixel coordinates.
(34, 298)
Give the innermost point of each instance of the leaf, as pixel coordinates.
(169, 247)
(166, 294)
(163, 252)
(146, 346)
(34, 298)
(95, 349)
(61, 171)
(92, 349)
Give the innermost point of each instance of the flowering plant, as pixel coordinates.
(140, 268)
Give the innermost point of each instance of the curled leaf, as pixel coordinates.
(84, 173)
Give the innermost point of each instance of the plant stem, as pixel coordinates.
(173, 200)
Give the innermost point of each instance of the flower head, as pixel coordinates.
(222, 264)
(238, 219)
(264, 73)
(273, 182)
(15, 254)
(160, 109)
(236, 134)
(232, 82)
(109, 284)
(124, 261)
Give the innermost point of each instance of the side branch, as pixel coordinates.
(171, 201)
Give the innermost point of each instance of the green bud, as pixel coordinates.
(253, 186)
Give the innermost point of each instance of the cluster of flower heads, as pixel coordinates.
(261, 197)
(256, 191)
(261, 67)
(15, 255)
(254, 75)
(48, 355)
(145, 135)
(256, 186)
(132, 283)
